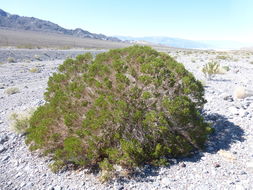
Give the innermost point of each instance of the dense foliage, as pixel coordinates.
(127, 107)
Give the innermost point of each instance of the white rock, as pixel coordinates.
(249, 165)
(2, 148)
(233, 110)
(239, 187)
(165, 181)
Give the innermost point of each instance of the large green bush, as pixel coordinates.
(126, 107)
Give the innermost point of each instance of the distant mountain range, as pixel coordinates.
(183, 43)
(17, 22)
(173, 42)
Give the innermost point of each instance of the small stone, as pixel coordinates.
(3, 138)
(239, 187)
(174, 161)
(183, 165)
(22, 184)
(233, 110)
(249, 165)
(216, 165)
(228, 98)
(2, 148)
(227, 155)
(57, 188)
(165, 181)
(50, 188)
(243, 113)
(5, 158)
(1, 122)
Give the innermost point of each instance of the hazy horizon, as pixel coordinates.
(193, 20)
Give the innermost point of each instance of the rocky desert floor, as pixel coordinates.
(226, 163)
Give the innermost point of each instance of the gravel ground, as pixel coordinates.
(10, 55)
(227, 162)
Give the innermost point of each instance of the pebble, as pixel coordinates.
(57, 188)
(2, 148)
(217, 165)
(249, 165)
(166, 181)
(5, 158)
(233, 110)
(3, 139)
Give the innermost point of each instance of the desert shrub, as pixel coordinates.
(20, 121)
(12, 90)
(223, 57)
(26, 46)
(37, 57)
(210, 69)
(226, 68)
(34, 70)
(126, 107)
(11, 60)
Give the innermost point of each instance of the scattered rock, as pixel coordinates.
(5, 158)
(1, 86)
(216, 165)
(165, 181)
(228, 98)
(227, 155)
(249, 165)
(2, 148)
(233, 110)
(57, 187)
(3, 138)
(183, 165)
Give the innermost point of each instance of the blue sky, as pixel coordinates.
(189, 19)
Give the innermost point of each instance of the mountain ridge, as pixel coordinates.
(13, 21)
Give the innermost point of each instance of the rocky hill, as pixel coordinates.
(34, 24)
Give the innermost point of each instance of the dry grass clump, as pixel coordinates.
(223, 56)
(28, 46)
(12, 90)
(11, 60)
(212, 68)
(20, 121)
(34, 70)
(37, 57)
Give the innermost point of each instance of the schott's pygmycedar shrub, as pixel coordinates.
(126, 107)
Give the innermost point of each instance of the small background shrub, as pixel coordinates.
(12, 90)
(210, 69)
(34, 70)
(11, 60)
(20, 121)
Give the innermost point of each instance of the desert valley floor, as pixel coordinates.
(226, 163)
